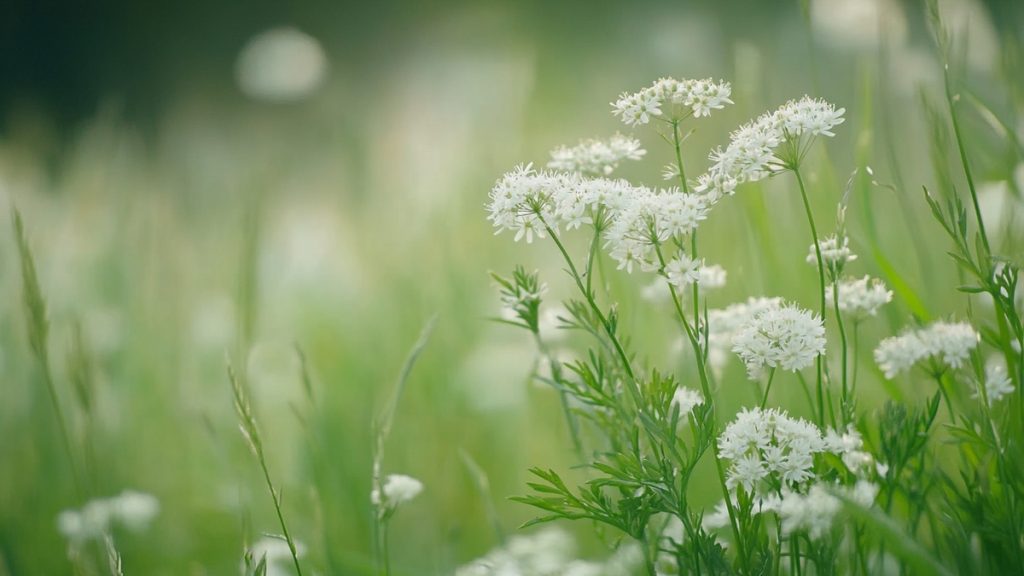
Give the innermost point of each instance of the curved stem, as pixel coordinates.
(821, 287)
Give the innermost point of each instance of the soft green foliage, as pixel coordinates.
(320, 248)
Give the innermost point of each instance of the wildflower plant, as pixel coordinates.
(794, 495)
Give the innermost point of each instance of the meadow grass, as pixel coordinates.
(129, 275)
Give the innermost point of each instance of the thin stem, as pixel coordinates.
(280, 516)
(771, 377)
(821, 286)
(706, 388)
(844, 401)
(963, 155)
(556, 376)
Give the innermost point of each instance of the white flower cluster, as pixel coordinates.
(524, 200)
(785, 336)
(277, 554)
(763, 443)
(997, 383)
(699, 97)
(835, 253)
(686, 399)
(860, 297)
(397, 489)
(816, 511)
(750, 155)
(130, 509)
(950, 342)
(549, 552)
(596, 157)
(725, 323)
(849, 446)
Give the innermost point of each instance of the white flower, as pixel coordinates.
(277, 553)
(813, 512)
(785, 337)
(724, 324)
(712, 277)
(678, 97)
(686, 399)
(130, 509)
(682, 271)
(398, 489)
(949, 342)
(834, 253)
(997, 383)
(760, 442)
(751, 153)
(848, 446)
(596, 157)
(860, 297)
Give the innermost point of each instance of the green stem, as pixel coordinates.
(963, 155)
(844, 401)
(764, 399)
(280, 516)
(706, 388)
(821, 287)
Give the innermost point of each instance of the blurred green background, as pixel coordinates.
(196, 189)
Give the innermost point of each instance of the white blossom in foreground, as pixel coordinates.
(860, 297)
(786, 337)
(397, 489)
(596, 157)
(528, 203)
(686, 399)
(130, 509)
(682, 271)
(835, 253)
(752, 154)
(766, 442)
(277, 554)
(997, 382)
(675, 98)
(948, 342)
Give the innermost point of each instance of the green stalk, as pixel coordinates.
(821, 287)
(38, 336)
(844, 402)
(767, 389)
(706, 388)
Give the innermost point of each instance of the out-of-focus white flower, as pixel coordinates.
(997, 382)
(712, 277)
(813, 512)
(786, 337)
(849, 447)
(686, 399)
(860, 297)
(834, 253)
(397, 489)
(596, 157)
(130, 509)
(949, 342)
(277, 553)
(282, 64)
